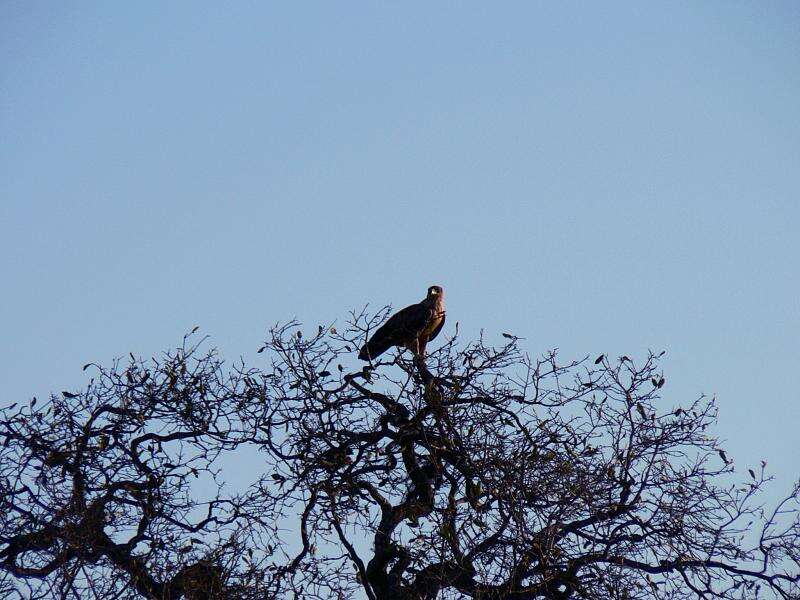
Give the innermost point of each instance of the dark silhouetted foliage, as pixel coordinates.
(482, 473)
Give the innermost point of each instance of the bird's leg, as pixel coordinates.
(419, 361)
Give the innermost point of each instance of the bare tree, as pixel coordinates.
(99, 495)
(478, 473)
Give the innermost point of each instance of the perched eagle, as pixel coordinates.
(412, 328)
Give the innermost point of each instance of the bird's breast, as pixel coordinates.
(437, 314)
(433, 323)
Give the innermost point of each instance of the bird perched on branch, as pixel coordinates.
(412, 328)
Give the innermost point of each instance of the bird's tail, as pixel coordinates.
(373, 349)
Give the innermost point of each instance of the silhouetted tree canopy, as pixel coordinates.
(481, 473)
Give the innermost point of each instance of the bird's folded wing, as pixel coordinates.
(399, 329)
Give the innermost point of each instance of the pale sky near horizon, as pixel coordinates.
(597, 177)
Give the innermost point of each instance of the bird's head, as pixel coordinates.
(435, 291)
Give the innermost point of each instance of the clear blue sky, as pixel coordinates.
(598, 177)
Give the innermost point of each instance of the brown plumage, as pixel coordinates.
(412, 328)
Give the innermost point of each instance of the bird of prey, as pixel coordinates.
(412, 328)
